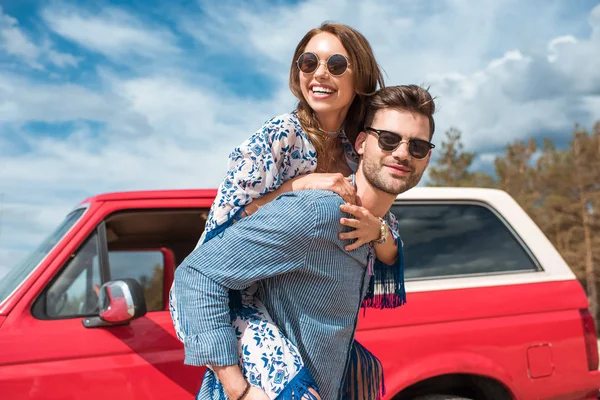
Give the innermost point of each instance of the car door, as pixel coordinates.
(55, 357)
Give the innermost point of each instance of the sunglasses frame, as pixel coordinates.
(319, 62)
(378, 132)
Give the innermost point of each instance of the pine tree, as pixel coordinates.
(587, 184)
(453, 164)
(516, 174)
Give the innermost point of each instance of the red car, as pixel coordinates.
(493, 311)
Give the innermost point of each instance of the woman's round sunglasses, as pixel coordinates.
(336, 64)
(389, 141)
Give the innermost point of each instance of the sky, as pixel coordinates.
(109, 96)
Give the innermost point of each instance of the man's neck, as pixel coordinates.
(376, 201)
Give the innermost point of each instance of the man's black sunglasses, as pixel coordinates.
(389, 141)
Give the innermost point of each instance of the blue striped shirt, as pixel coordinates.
(310, 285)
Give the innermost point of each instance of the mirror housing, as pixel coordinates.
(119, 303)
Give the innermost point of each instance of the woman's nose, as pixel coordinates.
(321, 70)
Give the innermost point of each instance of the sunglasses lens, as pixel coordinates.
(308, 63)
(418, 148)
(337, 64)
(388, 141)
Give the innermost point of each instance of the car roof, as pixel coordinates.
(418, 193)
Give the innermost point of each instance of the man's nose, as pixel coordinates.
(401, 151)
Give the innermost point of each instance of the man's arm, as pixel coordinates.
(273, 241)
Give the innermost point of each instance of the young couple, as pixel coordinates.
(300, 233)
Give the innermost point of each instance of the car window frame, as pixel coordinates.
(38, 309)
(498, 215)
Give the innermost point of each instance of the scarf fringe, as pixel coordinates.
(364, 376)
(386, 287)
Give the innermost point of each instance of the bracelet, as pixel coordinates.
(384, 232)
(245, 392)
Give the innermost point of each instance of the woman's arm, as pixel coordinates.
(387, 252)
(335, 182)
(276, 159)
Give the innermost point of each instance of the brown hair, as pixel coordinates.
(367, 76)
(411, 98)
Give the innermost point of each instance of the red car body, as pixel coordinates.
(522, 334)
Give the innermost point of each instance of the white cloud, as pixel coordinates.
(157, 132)
(554, 45)
(111, 32)
(16, 42)
(22, 100)
(447, 47)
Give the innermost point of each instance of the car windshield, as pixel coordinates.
(19, 272)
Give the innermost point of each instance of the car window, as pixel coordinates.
(146, 267)
(19, 272)
(75, 291)
(144, 245)
(449, 240)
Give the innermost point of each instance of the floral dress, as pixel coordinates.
(274, 154)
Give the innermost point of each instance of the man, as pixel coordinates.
(294, 246)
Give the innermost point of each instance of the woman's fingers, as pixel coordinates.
(346, 191)
(335, 182)
(350, 235)
(350, 222)
(354, 245)
(356, 211)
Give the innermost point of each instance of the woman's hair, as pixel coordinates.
(367, 76)
(410, 98)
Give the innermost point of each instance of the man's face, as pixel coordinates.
(394, 171)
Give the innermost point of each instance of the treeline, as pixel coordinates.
(559, 189)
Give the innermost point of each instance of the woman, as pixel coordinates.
(332, 74)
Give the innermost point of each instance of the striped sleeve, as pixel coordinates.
(273, 241)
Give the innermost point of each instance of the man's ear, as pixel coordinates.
(361, 141)
(428, 159)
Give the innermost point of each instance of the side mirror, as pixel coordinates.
(119, 302)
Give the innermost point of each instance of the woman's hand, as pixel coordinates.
(335, 182)
(367, 227)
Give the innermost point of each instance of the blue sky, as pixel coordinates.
(126, 95)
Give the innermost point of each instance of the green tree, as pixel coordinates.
(567, 189)
(154, 288)
(453, 165)
(584, 151)
(516, 174)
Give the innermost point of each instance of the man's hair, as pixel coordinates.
(410, 98)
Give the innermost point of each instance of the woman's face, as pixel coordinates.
(325, 93)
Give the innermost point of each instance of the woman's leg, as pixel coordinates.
(268, 359)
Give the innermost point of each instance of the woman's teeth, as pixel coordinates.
(319, 89)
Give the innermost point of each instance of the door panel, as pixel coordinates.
(61, 359)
